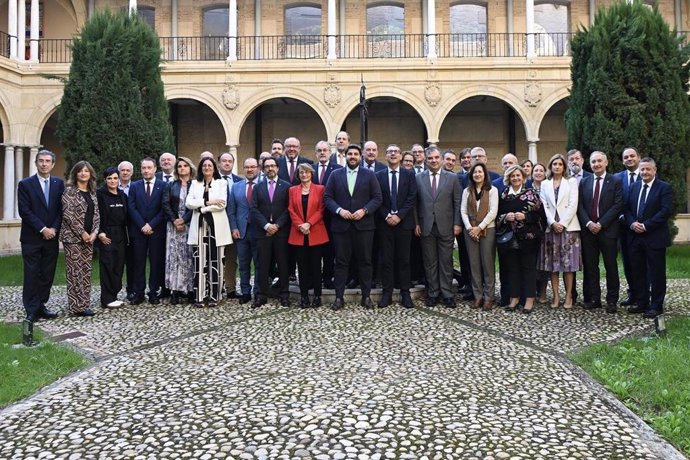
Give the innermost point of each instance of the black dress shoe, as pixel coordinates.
(47, 314)
(154, 300)
(285, 302)
(304, 302)
(637, 309)
(627, 302)
(245, 298)
(611, 307)
(651, 314)
(316, 302)
(233, 295)
(259, 301)
(31, 318)
(337, 304)
(131, 296)
(449, 302)
(431, 301)
(366, 302)
(136, 300)
(174, 298)
(165, 293)
(385, 301)
(406, 300)
(592, 305)
(86, 313)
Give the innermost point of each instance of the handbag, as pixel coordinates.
(505, 237)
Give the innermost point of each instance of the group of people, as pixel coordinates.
(347, 219)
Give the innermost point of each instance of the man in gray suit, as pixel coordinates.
(439, 221)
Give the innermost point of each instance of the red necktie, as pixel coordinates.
(292, 170)
(594, 212)
(323, 174)
(250, 186)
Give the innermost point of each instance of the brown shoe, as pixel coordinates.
(488, 305)
(477, 303)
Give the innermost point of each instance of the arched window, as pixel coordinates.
(303, 31)
(215, 30)
(552, 28)
(468, 28)
(386, 30)
(148, 14)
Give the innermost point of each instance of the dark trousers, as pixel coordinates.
(40, 260)
(129, 268)
(309, 266)
(273, 247)
(328, 256)
(627, 262)
(247, 250)
(358, 243)
(394, 257)
(416, 261)
(593, 246)
(111, 261)
(649, 274)
(153, 249)
(465, 279)
(520, 268)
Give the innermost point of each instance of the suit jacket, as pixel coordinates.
(366, 195)
(334, 159)
(238, 206)
(657, 211)
(445, 209)
(407, 197)
(171, 202)
(34, 211)
(144, 211)
(264, 211)
(330, 167)
(378, 166)
(73, 215)
(218, 189)
(565, 206)
(315, 212)
(625, 178)
(610, 203)
(284, 171)
(159, 176)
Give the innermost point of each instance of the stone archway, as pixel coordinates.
(553, 135)
(196, 128)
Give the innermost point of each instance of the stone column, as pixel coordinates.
(678, 14)
(21, 31)
(18, 174)
(8, 189)
(232, 30)
(173, 29)
(341, 27)
(132, 6)
(233, 150)
(12, 27)
(529, 27)
(431, 29)
(33, 152)
(593, 12)
(33, 45)
(257, 29)
(509, 26)
(331, 31)
(92, 7)
(532, 150)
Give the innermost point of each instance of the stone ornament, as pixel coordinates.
(231, 97)
(331, 95)
(432, 94)
(532, 93)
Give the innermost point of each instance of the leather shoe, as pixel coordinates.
(47, 314)
(337, 304)
(611, 307)
(304, 302)
(385, 301)
(136, 300)
(406, 300)
(637, 309)
(154, 300)
(86, 313)
(431, 301)
(31, 318)
(131, 296)
(174, 298)
(245, 298)
(627, 302)
(477, 303)
(316, 302)
(591, 305)
(449, 302)
(366, 302)
(488, 305)
(285, 302)
(233, 295)
(651, 314)
(259, 301)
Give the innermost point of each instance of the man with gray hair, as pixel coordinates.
(167, 163)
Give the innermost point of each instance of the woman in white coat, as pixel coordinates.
(560, 248)
(209, 231)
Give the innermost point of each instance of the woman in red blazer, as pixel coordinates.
(308, 232)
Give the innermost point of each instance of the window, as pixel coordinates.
(385, 31)
(303, 20)
(215, 32)
(148, 14)
(468, 29)
(552, 27)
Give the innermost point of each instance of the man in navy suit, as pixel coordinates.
(167, 164)
(226, 162)
(352, 195)
(630, 175)
(287, 164)
(576, 162)
(598, 210)
(419, 158)
(244, 234)
(39, 198)
(326, 163)
(650, 205)
(271, 220)
(342, 140)
(147, 232)
(370, 157)
(395, 224)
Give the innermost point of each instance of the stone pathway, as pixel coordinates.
(231, 382)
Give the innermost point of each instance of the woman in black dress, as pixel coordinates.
(112, 239)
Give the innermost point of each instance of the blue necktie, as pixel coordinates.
(46, 190)
(643, 202)
(394, 192)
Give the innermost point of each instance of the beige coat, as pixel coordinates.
(195, 202)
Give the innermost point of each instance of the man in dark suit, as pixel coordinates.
(450, 159)
(287, 164)
(244, 234)
(167, 164)
(226, 163)
(598, 209)
(438, 209)
(370, 157)
(342, 140)
(147, 232)
(576, 162)
(478, 155)
(352, 195)
(419, 158)
(650, 205)
(271, 220)
(395, 224)
(277, 148)
(630, 175)
(325, 165)
(39, 199)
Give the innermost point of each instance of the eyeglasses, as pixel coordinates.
(291, 146)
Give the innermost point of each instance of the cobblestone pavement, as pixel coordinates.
(231, 382)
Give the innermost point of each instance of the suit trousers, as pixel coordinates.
(230, 268)
(649, 274)
(593, 246)
(627, 264)
(309, 266)
(273, 248)
(112, 264)
(40, 260)
(482, 260)
(464, 259)
(394, 257)
(437, 251)
(143, 248)
(520, 267)
(247, 251)
(358, 243)
(129, 268)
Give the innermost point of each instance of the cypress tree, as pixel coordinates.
(629, 74)
(113, 107)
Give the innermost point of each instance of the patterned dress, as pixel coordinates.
(208, 260)
(179, 261)
(560, 252)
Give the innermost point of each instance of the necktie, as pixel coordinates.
(250, 186)
(642, 203)
(167, 178)
(292, 170)
(351, 178)
(148, 189)
(418, 169)
(225, 177)
(271, 189)
(322, 176)
(594, 212)
(632, 179)
(394, 191)
(46, 190)
(433, 185)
